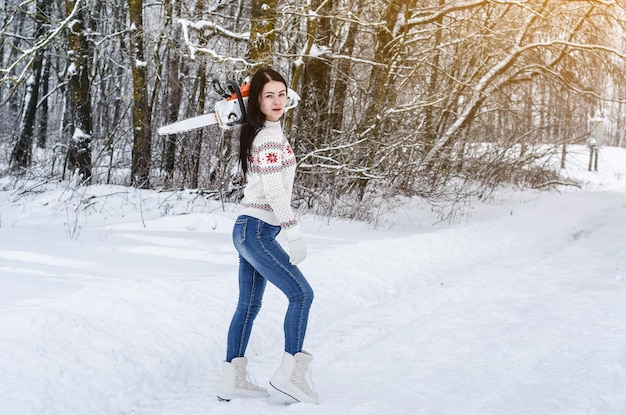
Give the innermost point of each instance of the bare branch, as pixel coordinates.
(29, 53)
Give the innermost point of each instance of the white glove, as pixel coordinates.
(297, 248)
(297, 251)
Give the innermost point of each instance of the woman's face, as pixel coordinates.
(272, 100)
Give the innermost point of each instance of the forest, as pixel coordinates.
(442, 100)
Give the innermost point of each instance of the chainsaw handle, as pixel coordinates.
(217, 86)
(234, 87)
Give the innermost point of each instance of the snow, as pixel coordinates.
(80, 135)
(117, 301)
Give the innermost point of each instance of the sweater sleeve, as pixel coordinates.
(276, 167)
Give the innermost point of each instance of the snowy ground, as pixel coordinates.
(117, 301)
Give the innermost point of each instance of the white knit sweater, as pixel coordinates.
(271, 171)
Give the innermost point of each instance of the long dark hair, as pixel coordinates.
(254, 117)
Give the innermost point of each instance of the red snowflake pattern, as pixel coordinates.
(272, 158)
(288, 149)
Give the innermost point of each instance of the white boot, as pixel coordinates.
(289, 378)
(234, 382)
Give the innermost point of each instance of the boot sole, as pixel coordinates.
(230, 398)
(283, 392)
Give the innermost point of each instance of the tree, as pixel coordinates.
(262, 32)
(315, 71)
(22, 152)
(174, 88)
(142, 131)
(79, 148)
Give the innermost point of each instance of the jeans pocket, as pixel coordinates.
(239, 231)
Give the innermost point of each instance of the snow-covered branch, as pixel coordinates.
(40, 44)
(207, 25)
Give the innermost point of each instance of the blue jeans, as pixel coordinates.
(262, 259)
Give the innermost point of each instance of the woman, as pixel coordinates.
(269, 165)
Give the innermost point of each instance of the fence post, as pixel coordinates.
(596, 135)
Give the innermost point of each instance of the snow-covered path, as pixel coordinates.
(513, 321)
(520, 310)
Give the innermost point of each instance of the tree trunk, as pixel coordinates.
(22, 152)
(174, 89)
(142, 140)
(315, 90)
(42, 133)
(79, 148)
(341, 83)
(262, 19)
(196, 152)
